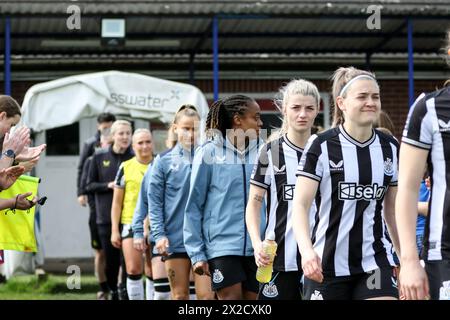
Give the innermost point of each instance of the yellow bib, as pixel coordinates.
(17, 229)
(133, 173)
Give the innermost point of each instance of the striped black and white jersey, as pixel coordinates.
(275, 172)
(349, 234)
(428, 127)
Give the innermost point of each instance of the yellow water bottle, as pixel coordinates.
(264, 274)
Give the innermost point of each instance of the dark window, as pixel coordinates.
(63, 141)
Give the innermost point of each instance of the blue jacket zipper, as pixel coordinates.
(245, 204)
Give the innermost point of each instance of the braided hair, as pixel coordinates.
(222, 111)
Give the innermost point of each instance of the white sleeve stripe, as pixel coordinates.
(416, 143)
(259, 184)
(309, 175)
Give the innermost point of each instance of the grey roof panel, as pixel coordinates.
(270, 7)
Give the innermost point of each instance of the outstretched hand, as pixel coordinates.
(17, 140)
(30, 153)
(9, 175)
(29, 165)
(22, 203)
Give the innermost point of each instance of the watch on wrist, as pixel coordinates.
(10, 154)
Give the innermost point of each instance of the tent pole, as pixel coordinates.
(7, 62)
(215, 43)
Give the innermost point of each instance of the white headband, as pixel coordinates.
(361, 76)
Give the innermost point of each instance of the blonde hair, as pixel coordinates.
(340, 78)
(140, 130)
(116, 124)
(294, 87)
(385, 130)
(187, 110)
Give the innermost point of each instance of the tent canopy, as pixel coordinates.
(67, 100)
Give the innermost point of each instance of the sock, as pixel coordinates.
(135, 287)
(149, 288)
(162, 289)
(192, 295)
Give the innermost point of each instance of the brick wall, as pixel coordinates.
(394, 93)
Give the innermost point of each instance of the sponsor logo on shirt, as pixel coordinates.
(106, 163)
(288, 191)
(336, 167)
(444, 126)
(388, 167)
(279, 170)
(353, 191)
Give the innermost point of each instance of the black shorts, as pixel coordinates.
(175, 255)
(439, 279)
(377, 283)
(282, 286)
(229, 270)
(125, 231)
(151, 245)
(93, 230)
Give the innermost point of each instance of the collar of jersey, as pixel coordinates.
(355, 142)
(179, 150)
(290, 144)
(226, 144)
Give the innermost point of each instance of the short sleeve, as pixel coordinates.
(260, 175)
(310, 165)
(395, 151)
(119, 181)
(418, 129)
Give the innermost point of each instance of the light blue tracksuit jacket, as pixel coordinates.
(169, 190)
(214, 222)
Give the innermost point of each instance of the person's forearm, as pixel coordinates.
(406, 219)
(300, 225)
(253, 220)
(7, 203)
(392, 229)
(116, 211)
(138, 223)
